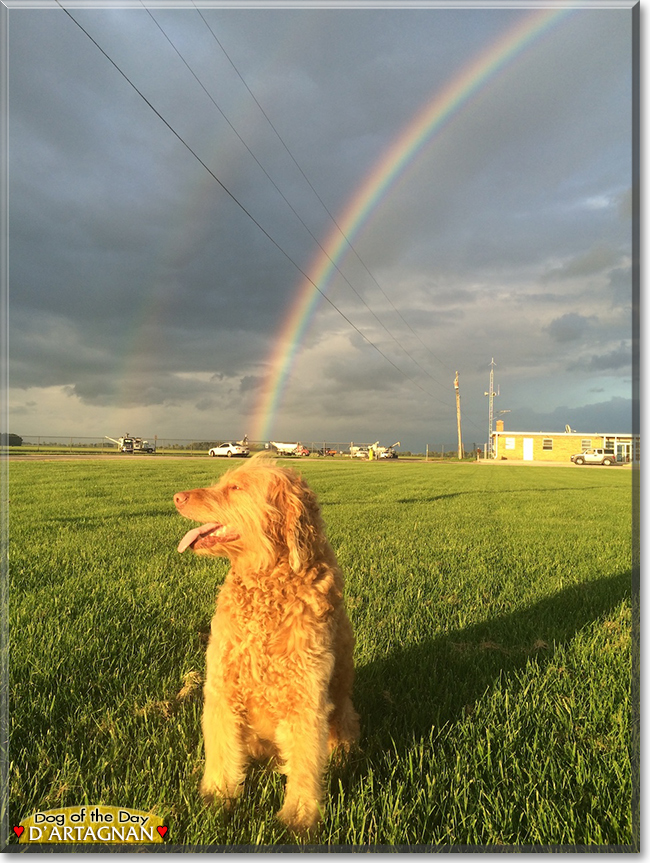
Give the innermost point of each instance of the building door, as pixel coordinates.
(528, 449)
(623, 452)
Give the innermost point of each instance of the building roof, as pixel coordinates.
(571, 434)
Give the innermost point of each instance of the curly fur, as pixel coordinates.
(279, 660)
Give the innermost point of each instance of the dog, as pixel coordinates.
(279, 663)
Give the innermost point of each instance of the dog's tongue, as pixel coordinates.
(192, 535)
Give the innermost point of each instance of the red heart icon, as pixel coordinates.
(162, 830)
(19, 831)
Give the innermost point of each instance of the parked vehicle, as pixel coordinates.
(378, 451)
(594, 456)
(385, 451)
(124, 443)
(140, 445)
(130, 444)
(289, 448)
(326, 451)
(229, 449)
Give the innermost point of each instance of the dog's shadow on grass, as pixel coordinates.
(402, 695)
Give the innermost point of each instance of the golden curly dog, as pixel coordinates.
(279, 661)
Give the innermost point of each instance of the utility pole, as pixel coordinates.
(460, 437)
(491, 394)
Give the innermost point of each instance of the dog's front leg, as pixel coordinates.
(302, 743)
(225, 754)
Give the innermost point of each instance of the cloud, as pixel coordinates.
(620, 285)
(251, 383)
(597, 260)
(613, 416)
(140, 288)
(619, 358)
(570, 327)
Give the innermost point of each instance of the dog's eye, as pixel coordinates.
(235, 488)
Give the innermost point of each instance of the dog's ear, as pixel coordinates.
(296, 504)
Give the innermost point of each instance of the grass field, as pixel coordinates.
(492, 612)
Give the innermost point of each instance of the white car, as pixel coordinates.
(229, 449)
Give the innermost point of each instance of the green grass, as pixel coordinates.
(491, 606)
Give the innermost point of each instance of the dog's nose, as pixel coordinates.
(181, 497)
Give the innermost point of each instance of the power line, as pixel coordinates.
(333, 219)
(309, 183)
(241, 206)
(282, 195)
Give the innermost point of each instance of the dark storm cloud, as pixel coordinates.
(620, 284)
(620, 358)
(604, 417)
(359, 376)
(137, 280)
(570, 327)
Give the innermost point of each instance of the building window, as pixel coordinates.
(510, 443)
(547, 443)
(585, 444)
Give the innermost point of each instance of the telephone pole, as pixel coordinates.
(460, 437)
(491, 394)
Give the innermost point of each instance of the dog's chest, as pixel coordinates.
(265, 624)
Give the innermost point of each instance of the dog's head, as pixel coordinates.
(259, 511)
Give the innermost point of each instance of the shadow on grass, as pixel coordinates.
(402, 695)
(88, 521)
(482, 492)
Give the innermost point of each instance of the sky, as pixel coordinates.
(176, 175)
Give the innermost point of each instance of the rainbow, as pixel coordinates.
(399, 155)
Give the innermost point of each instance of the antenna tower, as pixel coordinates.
(491, 394)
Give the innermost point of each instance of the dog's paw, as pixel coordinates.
(214, 794)
(301, 817)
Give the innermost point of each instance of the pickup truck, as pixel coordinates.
(594, 456)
